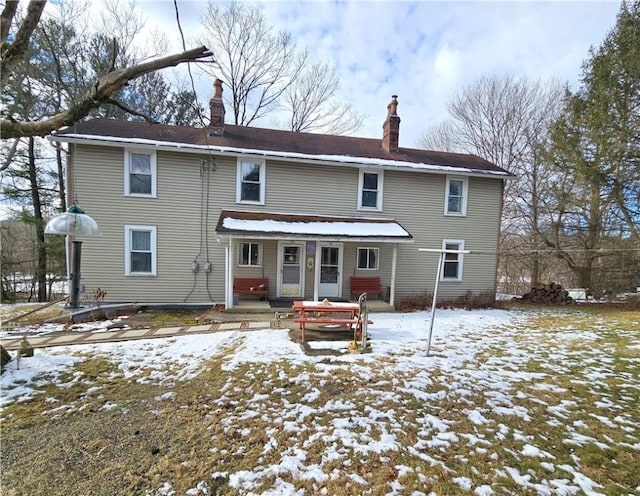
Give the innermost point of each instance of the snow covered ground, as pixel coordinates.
(491, 376)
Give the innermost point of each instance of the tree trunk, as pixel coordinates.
(41, 267)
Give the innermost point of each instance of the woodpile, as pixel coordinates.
(548, 293)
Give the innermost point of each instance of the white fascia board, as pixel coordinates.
(343, 160)
(310, 237)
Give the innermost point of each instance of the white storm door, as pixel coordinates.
(290, 261)
(330, 272)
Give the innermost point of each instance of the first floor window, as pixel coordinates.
(250, 254)
(368, 258)
(140, 250)
(140, 173)
(452, 266)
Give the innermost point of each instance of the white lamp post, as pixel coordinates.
(74, 222)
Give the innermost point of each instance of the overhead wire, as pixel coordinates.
(204, 184)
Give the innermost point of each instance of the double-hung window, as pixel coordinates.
(250, 185)
(370, 190)
(140, 171)
(250, 254)
(455, 202)
(368, 258)
(452, 266)
(140, 250)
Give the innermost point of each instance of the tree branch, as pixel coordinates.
(99, 92)
(128, 110)
(11, 54)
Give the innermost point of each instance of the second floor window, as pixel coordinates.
(370, 190)
(140, 173)
(456, 196)
(250, 182)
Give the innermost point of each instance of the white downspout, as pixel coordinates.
(394, 262)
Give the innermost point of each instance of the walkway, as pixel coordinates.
(107, 336)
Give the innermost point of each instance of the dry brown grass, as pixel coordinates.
(121, 439)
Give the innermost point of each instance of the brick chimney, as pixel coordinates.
(391, 127)
(216, 107)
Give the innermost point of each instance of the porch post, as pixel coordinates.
(392, 289)
(228, 286)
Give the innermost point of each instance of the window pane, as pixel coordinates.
(455, 204)
(370, 181)
(255, 254)
(244, 254)
(140, 241)
(362, 258)
(329, 274)
(291, 255)
(250, 192)
(140, 184)
(251, 172)
(451, 270)
(373, 259)
(140, 163)
(140, 262)
(455, 188)
(369, 199)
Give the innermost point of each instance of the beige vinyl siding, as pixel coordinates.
(176, 214)
(426, 221)
(414, 199)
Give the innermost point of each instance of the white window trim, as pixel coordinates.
(460, 243)
(263, 180)
(380, 173)
(154, 171)
(465, 196)
(127, 248)
(377, 267)
(260, 252)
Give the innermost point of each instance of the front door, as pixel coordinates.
(330, 285)
(291, 275)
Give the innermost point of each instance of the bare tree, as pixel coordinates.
(14, 47)
(311, 104)
(504, 120)
(256, 63)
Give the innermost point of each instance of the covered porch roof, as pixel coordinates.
(271, 225)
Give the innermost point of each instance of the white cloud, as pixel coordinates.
(422, 51)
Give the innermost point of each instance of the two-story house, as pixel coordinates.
(186, 210)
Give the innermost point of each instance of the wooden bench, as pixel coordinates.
(369, 285)
(251, 286)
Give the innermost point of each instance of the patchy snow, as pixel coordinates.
(477, 363)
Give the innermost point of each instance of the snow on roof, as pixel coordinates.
(349, 229)
(345, 159)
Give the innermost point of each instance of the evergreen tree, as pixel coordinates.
(595, 154)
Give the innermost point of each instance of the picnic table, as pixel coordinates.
(319, 312)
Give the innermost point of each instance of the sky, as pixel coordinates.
(424, 52)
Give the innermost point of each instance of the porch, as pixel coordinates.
(307, 257)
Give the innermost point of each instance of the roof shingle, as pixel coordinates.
(272, 140)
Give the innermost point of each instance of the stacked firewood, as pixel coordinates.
(548, 293)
